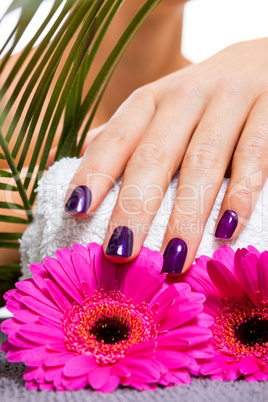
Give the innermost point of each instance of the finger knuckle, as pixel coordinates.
(189, 90)
(253, 151)
(202, 158)
(129, 207)
(150, 155)
(239, 194)
(187, 226)
(232, 85)
(111, 136)
(93, 172)
(144, 94)
(263, 95)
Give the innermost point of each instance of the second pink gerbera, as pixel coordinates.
(85, 321)
(236, 288)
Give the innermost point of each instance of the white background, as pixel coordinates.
(209, 25)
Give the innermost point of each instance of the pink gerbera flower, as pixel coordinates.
(83, 320)
(236, 288)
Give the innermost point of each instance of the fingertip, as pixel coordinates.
(227, 225)
(175, 256)
(120, 245)
(79, 201)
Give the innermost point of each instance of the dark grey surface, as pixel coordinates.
(12, 389)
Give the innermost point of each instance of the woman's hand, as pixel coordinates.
(195, 120)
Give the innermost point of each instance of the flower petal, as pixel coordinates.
(37, 268)
(250, 277)
(135, 281)
(104, 269)
(32, 385)
(203, 319)
(197, 277)
(99, 377)
(170, 343)
(59, 297)
(248, 365)
(67, 266)
(215, 366)
(151, 289)
(216, 377)
(185, 308)
(223, 280)
(58, 359)
(169, 293)
(28, 287)
(26, 316)
(201, 351)
(253, 250)
(225, 255)
(147, 370)
(260, 376)
(172, 359)
(239, 255)
(40, 334)
(75, 383)
(19, 341)
(232, 373)
(53, 375)
(263, 274)
(142, 349)
(83, 270)
(140, 385)
(80, 249)
(180, 376)
(79, 365)
(9, 325)
(15, 354)
(34, 357)
(92, 249)
(29, 373)
(192, 334)
(46, 386)
(110, 385)
(120, 370)
(56, 346)
(58, 274)
(42, 309)
(5, 346)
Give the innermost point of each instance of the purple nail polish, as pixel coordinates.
(227, 225)
(121, 242)
(174, 256)
(79, 201)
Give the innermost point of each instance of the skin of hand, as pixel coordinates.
(195, 119)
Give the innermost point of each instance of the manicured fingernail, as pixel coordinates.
(227, 225)
(121, 242)
(174, 256)
(79, 201)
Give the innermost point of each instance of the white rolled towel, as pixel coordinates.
(53, 228)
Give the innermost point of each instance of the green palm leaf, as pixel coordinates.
(32, 85)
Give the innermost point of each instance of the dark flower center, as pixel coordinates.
(110, 330)
(253, 331)
(107, 325)
(241, 329)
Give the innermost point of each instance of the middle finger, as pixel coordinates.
(147, 175)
